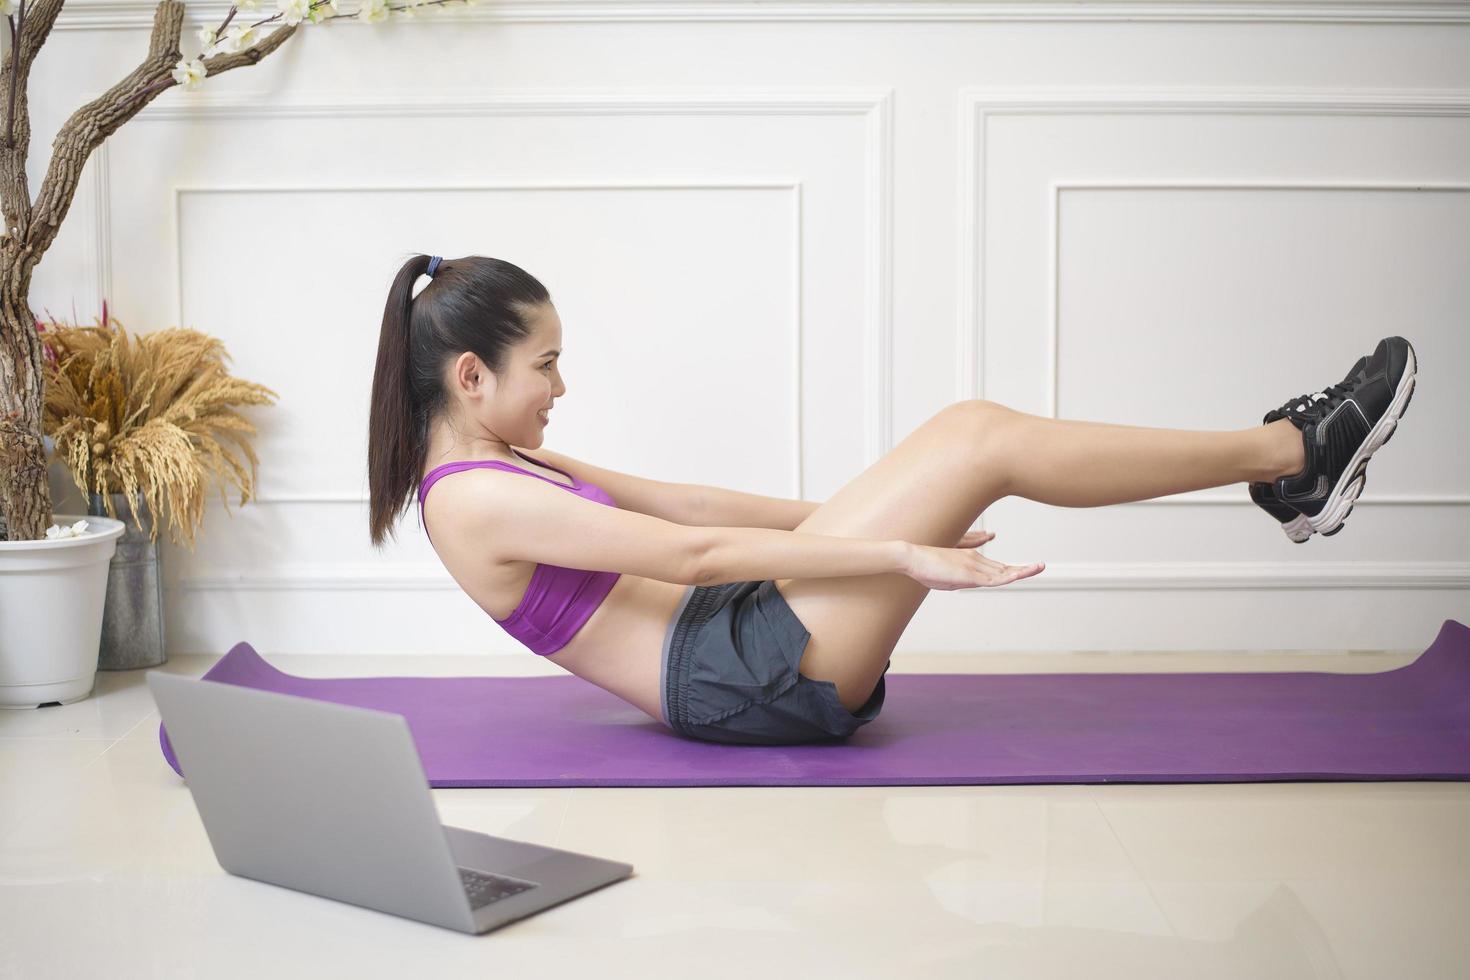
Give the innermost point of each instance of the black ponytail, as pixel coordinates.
(473, 303)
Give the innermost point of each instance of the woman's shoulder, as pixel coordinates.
(463, 500)
(462, 473)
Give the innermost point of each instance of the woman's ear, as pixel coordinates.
(473, 377)
(467, 371)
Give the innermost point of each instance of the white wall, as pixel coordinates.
(838, 218)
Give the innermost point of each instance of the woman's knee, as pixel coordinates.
(984, 428)
(976, 418)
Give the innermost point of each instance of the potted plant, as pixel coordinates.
(30, 225)
(138, 422)
(51, 601)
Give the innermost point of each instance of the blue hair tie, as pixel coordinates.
(434, 264)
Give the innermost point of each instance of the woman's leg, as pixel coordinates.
(933, 485)
(1088, 464)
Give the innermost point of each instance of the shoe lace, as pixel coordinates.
(1318, 403)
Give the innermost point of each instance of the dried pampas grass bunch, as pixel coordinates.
(145, 415)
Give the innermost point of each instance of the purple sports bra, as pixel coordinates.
(559, 600)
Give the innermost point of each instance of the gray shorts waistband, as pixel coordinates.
(705, 602)
(663, 660)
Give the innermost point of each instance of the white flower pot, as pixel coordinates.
(52, 593)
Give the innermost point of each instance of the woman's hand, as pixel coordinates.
(963, 567)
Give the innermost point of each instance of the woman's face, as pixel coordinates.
(512, 406)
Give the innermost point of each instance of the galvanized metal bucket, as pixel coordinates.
(132, 618)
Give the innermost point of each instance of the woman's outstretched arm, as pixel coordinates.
(721, 507)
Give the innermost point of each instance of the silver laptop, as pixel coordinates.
(332, 799)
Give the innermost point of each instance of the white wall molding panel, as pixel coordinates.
(782, 235)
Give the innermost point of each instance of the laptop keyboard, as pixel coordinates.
(482, 889)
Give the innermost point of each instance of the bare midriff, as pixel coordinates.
(619, 647)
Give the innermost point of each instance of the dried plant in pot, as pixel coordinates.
(46, 579)
(141, 423)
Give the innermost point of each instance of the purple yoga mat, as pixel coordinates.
(1412, 722)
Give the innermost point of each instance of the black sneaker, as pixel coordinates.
(1293, 521)
(1342, 427)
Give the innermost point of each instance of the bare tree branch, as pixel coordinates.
(100, 118)
(36, 21)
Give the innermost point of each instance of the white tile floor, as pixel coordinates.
(105, 869)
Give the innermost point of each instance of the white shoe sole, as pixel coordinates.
(1299, 528)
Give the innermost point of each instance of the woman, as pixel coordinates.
(744, 619)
